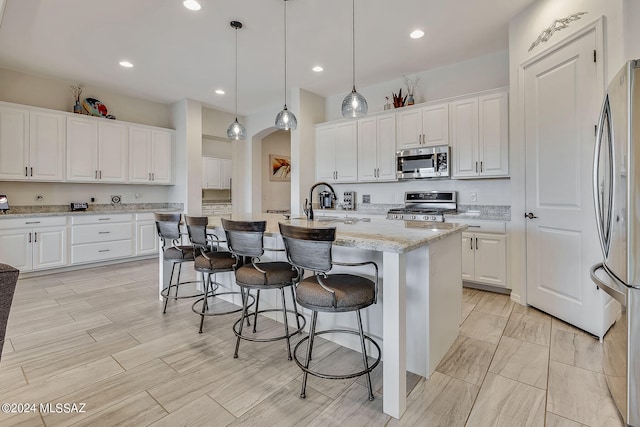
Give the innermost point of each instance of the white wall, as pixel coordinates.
(217, 148)
(45, 92)
(523, 30)
(475, 75)
(275, 194)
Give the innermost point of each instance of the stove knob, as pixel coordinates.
(413, 217)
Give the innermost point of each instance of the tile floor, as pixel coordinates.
(98, 337)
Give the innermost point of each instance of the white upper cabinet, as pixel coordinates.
(32, 144)
(377, 148)
(423, 127)
(150, 155)
(479, 136)
(337, 152)
(216, 173)
(225, 173)
(96, 151)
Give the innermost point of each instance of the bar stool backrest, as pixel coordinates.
(197, 230)
(308, 248)
(168, 226)
(245, 238)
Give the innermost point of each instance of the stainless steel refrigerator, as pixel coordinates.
(617, 203)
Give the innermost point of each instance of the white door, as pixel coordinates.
(346, 150)
(147, 238)
(562, 96)
(468, 257)
(225, 173)
(435, 125)
(46, 146)
(409, 129)
(14, 143)
(367, 149)
(15, 248)
(49, 247)
(162, 157)
(493, 143)
(326, 153)
(113, 152)
(139, 155)
(386, 145)
(491, 258)
(82, 149)
(464, 137)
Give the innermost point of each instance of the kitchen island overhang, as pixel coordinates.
(418, 314)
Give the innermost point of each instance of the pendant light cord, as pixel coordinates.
(236, 73)
(353, 41)
(285, 54)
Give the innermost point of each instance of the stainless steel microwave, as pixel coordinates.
(427, 162)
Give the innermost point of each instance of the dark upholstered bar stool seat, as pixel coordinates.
(168, 227)
(209, 261)
(245, 241)
(310, 249)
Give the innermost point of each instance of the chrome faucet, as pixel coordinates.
(308, 203)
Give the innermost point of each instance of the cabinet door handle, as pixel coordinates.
(100, 174)
(104, 232)
(480, 165)
(104, 250)
(476, 243)
(26, 171)
(149, 176)
(420, 139)
(104, 219)
(476, 167)
(96, 175)
(32, 222)
(35, 237)
(32, 171)
(424, 138)
(29, 237)
(471, 243)
(153, 176)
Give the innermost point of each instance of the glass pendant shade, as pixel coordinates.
(286, 120)
(236, 131)
(354, 105)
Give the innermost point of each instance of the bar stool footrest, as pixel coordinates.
(303, 323)
(337, 377)
(219, 313)
(165, 292)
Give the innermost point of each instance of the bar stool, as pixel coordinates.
(168, 227)
(209, 261)
(245, 241)
(310, 249)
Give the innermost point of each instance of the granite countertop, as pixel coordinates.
(377, 234)
(94, 209)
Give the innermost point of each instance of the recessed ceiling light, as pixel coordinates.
(219, 91)
(126, 64)
(417, 34)
(191, 4)
(317, 68)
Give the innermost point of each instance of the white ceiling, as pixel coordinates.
(179, 53)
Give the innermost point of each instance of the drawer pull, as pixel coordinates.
(474, 226)
(32, 222)
(104, 250)
(104, 219)
(104, 232)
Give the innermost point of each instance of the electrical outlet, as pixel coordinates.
(366, 198)
(39, 198)
(115, 200)
(474, 197)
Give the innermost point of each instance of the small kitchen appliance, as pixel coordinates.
(326, 200)
(418, 163)
(426, 206)
(616, 187)
(349, 200)
(4, 204)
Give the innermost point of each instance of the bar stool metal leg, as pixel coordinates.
(245, 300)
(166, 298)
(312, 331)
(286, 324)
(364, 355)
(295, 309)
(178, 282)
(255, 318)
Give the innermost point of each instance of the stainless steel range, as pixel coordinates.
(426, 206)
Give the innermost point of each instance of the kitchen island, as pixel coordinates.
(418, 314)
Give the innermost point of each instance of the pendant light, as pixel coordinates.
(285, 119)
(354, 104)
(236, 130)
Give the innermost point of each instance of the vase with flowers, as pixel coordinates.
(76, 91)
(411, 84)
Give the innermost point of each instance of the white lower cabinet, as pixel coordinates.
(101, 237)
(34, 243)
(484, 258)
(146, 234)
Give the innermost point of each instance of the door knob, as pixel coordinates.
(530, 215)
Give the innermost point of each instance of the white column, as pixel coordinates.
(394, 334)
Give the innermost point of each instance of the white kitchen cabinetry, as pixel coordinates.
(423, 127)
(337, 152)
(101, 237)
(96, 151)
(484, 252)
(216, 173)
(377, 148)
(150, 155)
(479, 136)
(32, 144)
(146, 234)
(34, 243)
